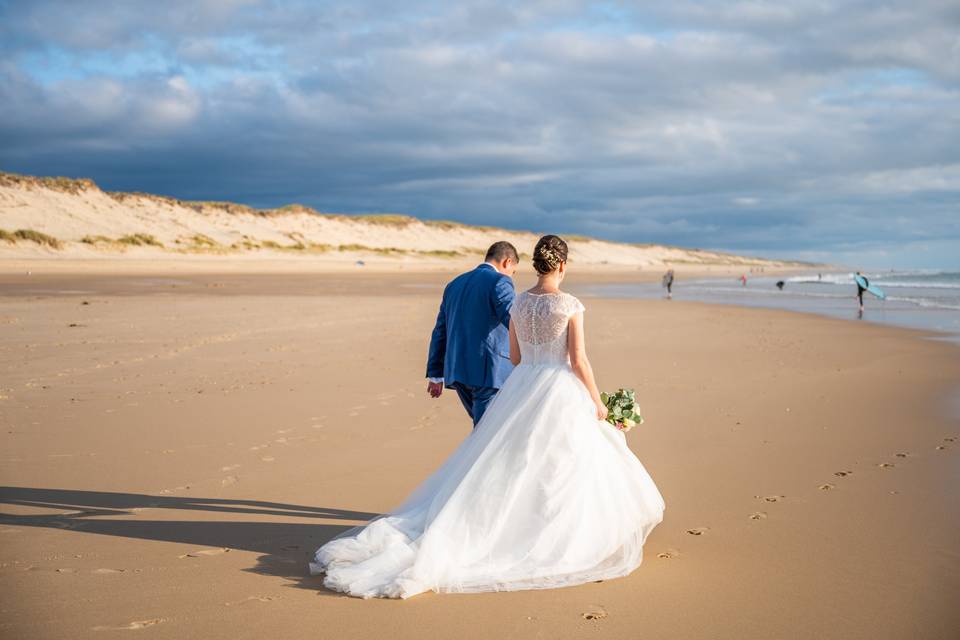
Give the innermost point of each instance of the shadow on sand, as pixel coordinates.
(286, 547)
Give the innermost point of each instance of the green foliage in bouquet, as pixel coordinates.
(623, 412)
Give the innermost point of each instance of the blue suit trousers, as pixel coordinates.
(474, 399)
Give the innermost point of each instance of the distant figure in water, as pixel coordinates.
(819, 276)
(743, 280)
(668, 283)
(780, 284)
(861, 289)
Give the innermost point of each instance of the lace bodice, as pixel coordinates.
(541, 324)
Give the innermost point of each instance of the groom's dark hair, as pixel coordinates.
(500, 251)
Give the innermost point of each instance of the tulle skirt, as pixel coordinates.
(540, 495)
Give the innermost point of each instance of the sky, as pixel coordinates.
(822, 131)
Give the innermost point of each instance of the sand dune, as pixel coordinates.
(62, 218)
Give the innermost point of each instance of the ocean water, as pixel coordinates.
(922, 299)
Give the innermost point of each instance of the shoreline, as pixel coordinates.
(942, 322)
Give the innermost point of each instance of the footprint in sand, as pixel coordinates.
(267, 458)
(424, 421)
(902, 455)
(758, 515)
(174, 490)
(205, 552)
(669, 554)
(230, 468)
(698, 531)
(842, 474)
(940, 447)
(105, 571)
(770, 498)
(136, 624)
(229, 480)
(949, 439)
(886, 465)
(594, 613)
(827, 487)
(252, 599)
(355, 411)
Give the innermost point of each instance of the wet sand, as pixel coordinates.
(175, 446)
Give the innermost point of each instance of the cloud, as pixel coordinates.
(778, 128)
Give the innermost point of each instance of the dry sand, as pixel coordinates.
(174, 448)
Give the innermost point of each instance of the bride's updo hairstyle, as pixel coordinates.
(548, 254)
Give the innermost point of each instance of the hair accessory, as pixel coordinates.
(550, 256)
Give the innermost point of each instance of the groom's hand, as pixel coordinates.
(434, 389)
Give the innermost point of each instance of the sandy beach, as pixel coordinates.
(176, 444)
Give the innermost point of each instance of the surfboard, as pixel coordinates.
(874, 289)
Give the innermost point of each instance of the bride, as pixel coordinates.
(544, 493)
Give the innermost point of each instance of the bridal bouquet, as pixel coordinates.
(623, 412)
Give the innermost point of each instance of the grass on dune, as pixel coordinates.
(56, 183)
(385, 219)
(202, 241)
(31, 235)
(298, 245)
(95, 240)
(140, 240)
(440, 253)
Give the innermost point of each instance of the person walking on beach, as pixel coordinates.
(470, 345)
(743, 280)
(544, 493)
(861, 288)
(668, 283)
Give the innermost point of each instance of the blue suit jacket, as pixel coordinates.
(471, 340)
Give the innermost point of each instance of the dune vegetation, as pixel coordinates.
(30, 235)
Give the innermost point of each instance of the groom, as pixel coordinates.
(470, 345)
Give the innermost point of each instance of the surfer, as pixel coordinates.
(780, 284)
(861, 288)
(668, 283)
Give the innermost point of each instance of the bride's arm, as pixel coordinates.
(580, 363)
(514, 345)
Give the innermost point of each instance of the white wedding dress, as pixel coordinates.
(542, 494)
